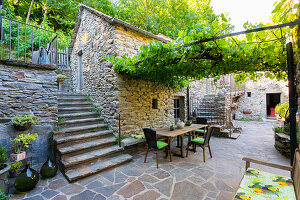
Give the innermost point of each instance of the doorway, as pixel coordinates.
(272, 100)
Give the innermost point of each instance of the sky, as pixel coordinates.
(241, 11)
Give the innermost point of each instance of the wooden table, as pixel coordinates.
(179, 133)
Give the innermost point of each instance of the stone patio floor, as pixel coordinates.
(183, 179)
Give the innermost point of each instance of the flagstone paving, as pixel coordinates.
(189, 178)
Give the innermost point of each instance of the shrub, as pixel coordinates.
(4, 196)
(282, 109)
(25, 119)
(61, 76)
(3, 156)
(15, 166)
(22, 141)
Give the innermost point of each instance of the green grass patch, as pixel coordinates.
(122, 138)
(260, 120)
(245, 120)
(88, 99)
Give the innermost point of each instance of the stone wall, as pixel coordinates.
(112, 92)
(67, 85)
(25, 90)
(256, 105)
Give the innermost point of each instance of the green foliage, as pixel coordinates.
(260, 120)
(96, 110)
(88, 99)
(15, 166)
(22, 141)
(50, 139)
(25, 119)
(3, 156)
(286, 130)
(245, 120)
(4, 196)
(282, 109)
(122, 138)
(61, 76)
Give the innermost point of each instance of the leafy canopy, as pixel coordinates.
(187, 58)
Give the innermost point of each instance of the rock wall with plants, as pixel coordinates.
(254, 107)
(28, 90)
(114, 93)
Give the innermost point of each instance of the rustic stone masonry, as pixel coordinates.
(67, 83)
(283, 144)
(114, 93)
(28, 90)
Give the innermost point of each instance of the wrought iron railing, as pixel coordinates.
(27, 43)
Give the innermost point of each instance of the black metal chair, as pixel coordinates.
(201, 131)
(156, 144)
(202, 142)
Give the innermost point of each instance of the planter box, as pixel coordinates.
(18, 157)
(247, 112)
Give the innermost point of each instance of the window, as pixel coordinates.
(154, 103)
(249, 94)
(176, 108)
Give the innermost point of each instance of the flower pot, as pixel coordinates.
(247, 112)
(4, 178)
(13, 174)
(25, 127)
(18, 157)
(180, 124)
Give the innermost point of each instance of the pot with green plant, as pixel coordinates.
(60, 79)
(14, 168)
(25, 122)
(4, 168)
(20, 143)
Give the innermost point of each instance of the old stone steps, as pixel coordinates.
(84, 143)
(96, 167)
(86, 128)
(73, 160)
(71, 138)
(80, 115)
(75, 109)
(81, 122)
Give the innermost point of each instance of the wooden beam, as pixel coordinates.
(283, 167)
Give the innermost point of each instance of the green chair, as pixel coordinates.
(155, 144)
(202, 142)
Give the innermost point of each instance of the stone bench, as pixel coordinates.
(258, 184)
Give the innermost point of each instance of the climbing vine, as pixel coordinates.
(198, 53)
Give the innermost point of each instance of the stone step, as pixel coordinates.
(83, 136)
(69, 161)
(81, 122)
(71, 99)
(72, 104)
(80, 128)
(80, 115)
(97, 166)
(61, 94)
(77, 147)
(74, 109)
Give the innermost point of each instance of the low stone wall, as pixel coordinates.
(24, 90)
(282, 144)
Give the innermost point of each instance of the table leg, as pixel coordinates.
(181, 148)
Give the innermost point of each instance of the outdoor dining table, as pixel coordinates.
(179, 133)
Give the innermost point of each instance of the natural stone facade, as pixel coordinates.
(254, 107)
(26, 90)
(112, 92)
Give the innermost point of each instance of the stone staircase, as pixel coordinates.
(84, 143)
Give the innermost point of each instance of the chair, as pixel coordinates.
(156, 144)
(202, 142)
(202, 131)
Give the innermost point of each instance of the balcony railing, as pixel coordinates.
(27, 43)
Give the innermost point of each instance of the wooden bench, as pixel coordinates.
(258, 184)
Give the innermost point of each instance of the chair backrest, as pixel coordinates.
(296, 173)
(208, 135)
(201, 120)
(150, 136)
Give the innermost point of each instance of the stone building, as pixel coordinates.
(261, 98)
(140, 103)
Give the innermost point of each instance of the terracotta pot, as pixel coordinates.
(25, 127)
(247, 112)
(18, 157)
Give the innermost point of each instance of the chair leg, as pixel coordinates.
(146, 154)
(157, 158)
(209, 151)
(169, 142)
(204, 154)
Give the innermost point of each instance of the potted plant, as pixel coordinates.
(21, 142)
(4, 196)
(25, 122)
(3, 169)
(14, 169)
(60, 79)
